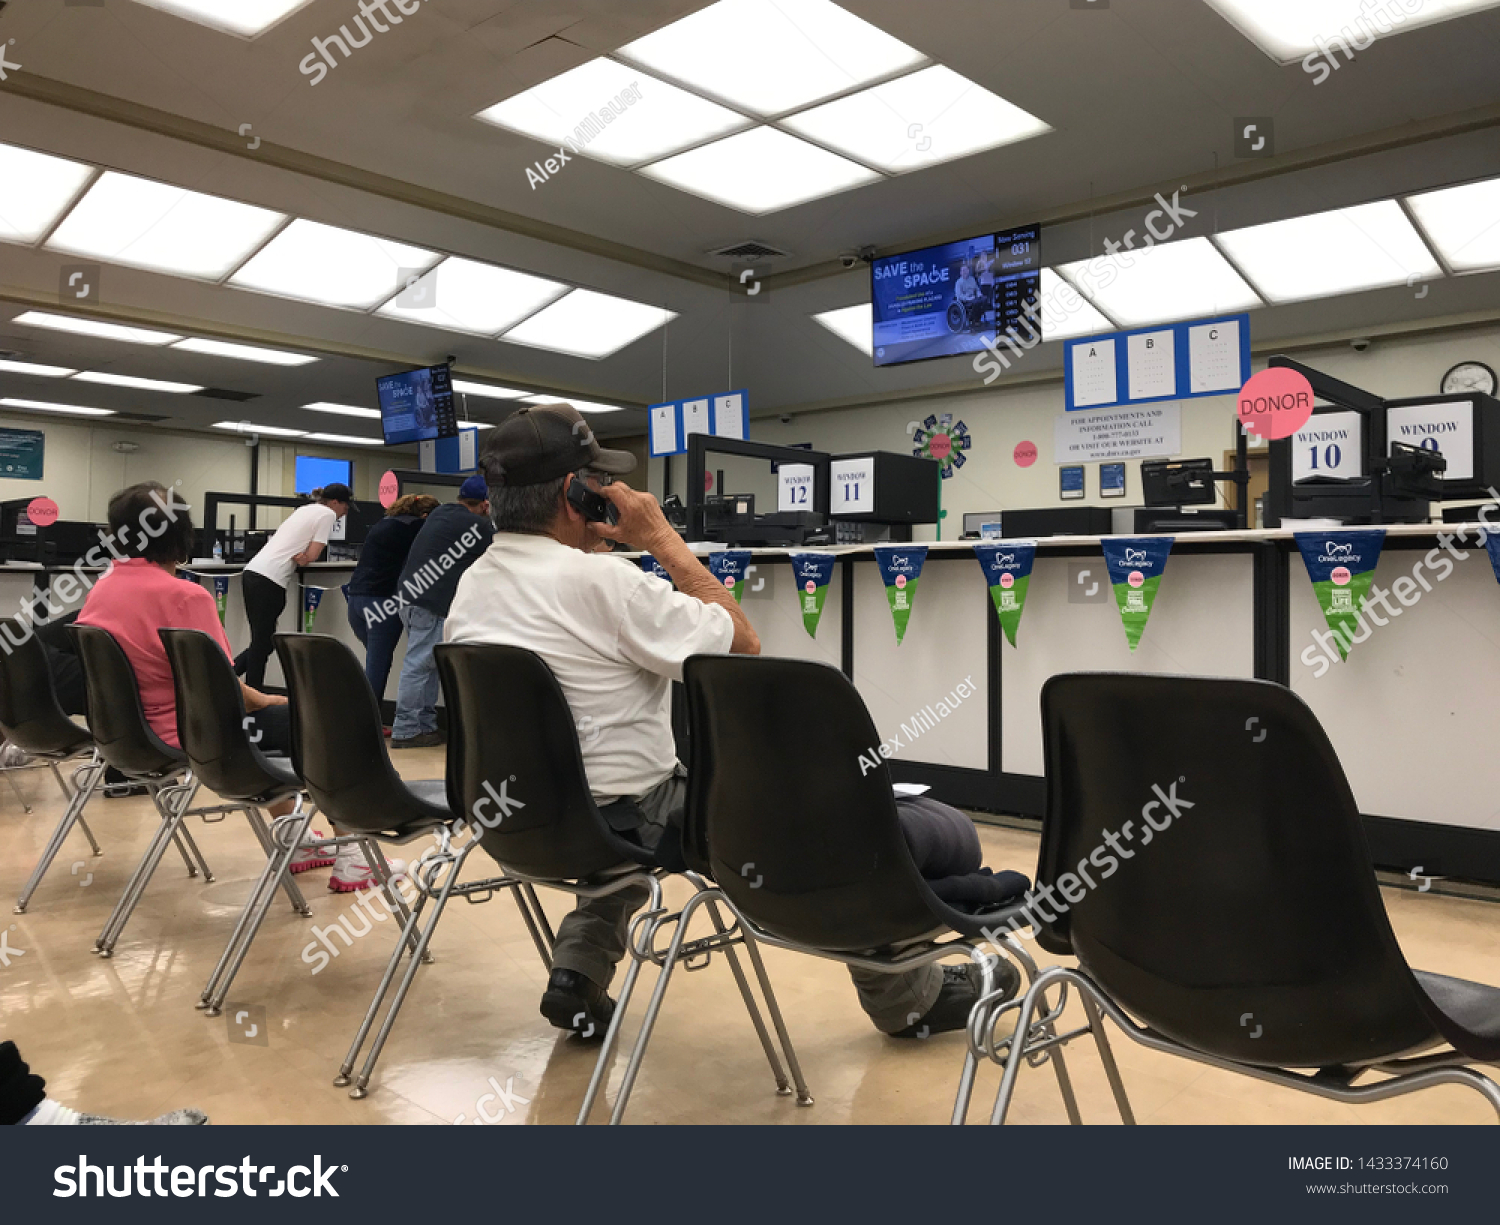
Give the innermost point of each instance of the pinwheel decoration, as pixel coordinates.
(942, 439)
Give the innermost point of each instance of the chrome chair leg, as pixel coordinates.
(362, 1081)
(976, 1021)
(172, 812)
(530, 908)
(1107, 1058)
(73, 815)
(1055, 1054)
(275, 872)
(395, 903)
(288, 883)
(346, 1070)
(10, 777)
(187, 837)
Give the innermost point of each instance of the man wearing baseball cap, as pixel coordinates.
(615, 638)
(452, 537)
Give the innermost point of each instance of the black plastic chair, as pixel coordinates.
(803, 840)
(555, 835)
(213, 729)
(339, 752)
(125, 741)
(32, 720)
(1248, 933)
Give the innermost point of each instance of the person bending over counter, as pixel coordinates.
(299, 541)
(616, 638)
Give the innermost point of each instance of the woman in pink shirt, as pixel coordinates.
(142, 594)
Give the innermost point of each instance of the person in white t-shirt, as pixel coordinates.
(299, 541)
(616, 638)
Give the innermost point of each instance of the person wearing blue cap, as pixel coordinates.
(452, 538)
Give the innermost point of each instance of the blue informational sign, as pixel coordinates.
(672, 423)
(21, 454)
(1070, 482)
(416, 405)
(1111, 480)
(1173, 361)
(952, 299)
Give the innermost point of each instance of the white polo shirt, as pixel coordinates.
(306, 524)
(614, 636)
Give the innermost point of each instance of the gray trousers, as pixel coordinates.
(591, 940)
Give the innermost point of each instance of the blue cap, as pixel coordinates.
(475, 489)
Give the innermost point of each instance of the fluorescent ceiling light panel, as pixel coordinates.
(1342, 251)
(1177, 280)
(92, 327)
(586, 323)
(760, 171)
(126, 380)
(467, 296)
(344, 410)
(35, 370)
(248, 353)
(583, 406)
(771, 56)
(1463, 223)
(1288, 30)
(856, 324)
(332, 266)
(247, 427)
(35, 188)
(47, 406)
(476, 425)
(1065, 312)
(247, 18)
(572, 107)
(917, 120)
(351, 439)
(485, 390)
(146, 224)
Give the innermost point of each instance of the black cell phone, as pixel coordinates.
(591, 504)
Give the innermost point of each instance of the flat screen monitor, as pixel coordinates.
(416, 405)
(317, 471)
(1178, 482)
(975, 521)
(953, 299)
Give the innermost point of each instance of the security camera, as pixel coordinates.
(1360, 343)
(785, 418)
(850, 259)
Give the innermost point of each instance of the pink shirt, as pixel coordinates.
(132, 602)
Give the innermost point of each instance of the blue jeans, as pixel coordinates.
(379, 632)
(417, 694)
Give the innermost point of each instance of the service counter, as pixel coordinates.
(1409, 712)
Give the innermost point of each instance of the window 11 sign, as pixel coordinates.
(853, 486)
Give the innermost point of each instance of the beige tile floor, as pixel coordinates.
(122, 1037)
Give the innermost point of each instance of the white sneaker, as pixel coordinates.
(313, 853)
(351, 872)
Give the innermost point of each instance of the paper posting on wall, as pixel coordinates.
(1094, 373)
(1341, 565)
(1135, 565)
(663, 429)
(221, 595)
(1103, 434)
(729, 568)
(900, 568)
(1151, 364)
(729, 415)
(1214, 357)
(311, 598)
(653, 567)
(694, 418)
(1007, 570)
(813, 572)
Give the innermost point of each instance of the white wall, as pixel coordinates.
(999, 419)
(81, 469)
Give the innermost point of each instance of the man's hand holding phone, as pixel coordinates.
(642, 524)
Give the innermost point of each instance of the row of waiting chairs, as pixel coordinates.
(1248, 892)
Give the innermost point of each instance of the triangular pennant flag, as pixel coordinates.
(651, 566)
(900, 567)
(311, 598)
(221, 594)
(729, 568)
(1135, 565)
(813, 572)
(1492, 543)
(1007, 570)
(1341, 565)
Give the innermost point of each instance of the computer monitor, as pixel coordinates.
(974, 522)
(416, 405)
(1178, 482)
(318, 472)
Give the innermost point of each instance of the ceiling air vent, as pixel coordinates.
(750, 252)
(219, 393)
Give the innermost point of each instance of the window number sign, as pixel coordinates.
(852, 486)
(796, 487)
